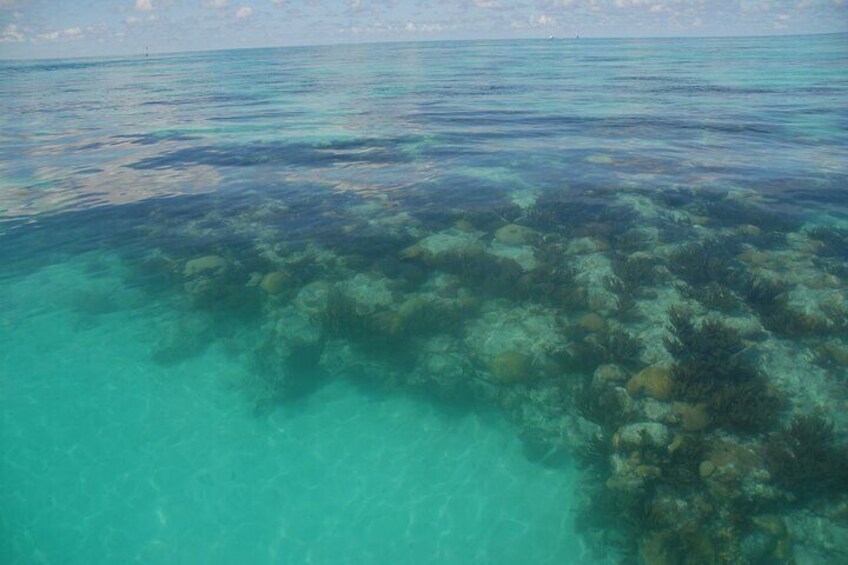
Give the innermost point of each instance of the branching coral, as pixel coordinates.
(554, 285)
(712, 368)
(703, 262)
(711, 351)
(635, 272)
(714, 296)
(611, 344)
(806, 460)
(482, 272)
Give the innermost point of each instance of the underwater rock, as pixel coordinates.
(638, 238)
(609, 373)
(608, 406)
(464, 226)
(295, 326)
(676, 547)
(512, 367)
(207, 265)
(186, 338)
(312, 299)
(452, 241)
(835, 352)
(274, 283)
(367, 292)
(816, 280)
(643, 434)
(732, 461)
(693, 417)
(513, 234)
(522, 255)
(444, 373)
(599, 159)
(655, 382)
(818, 539)
(653, 549)
(630, 473)
(769, 542)
(655, 410)
(592, 322)
(749, 230)
(500, 328)
(585, 246)
(286, 366)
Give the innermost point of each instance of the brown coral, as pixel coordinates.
(655, 382)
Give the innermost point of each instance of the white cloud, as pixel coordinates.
(244, 12)
(12, 4)
(144, 5)
(132, 20)
(11, 34)
(627, 3)
(67, 33)
(215, 3)
(486, 3)
(425, 27)
(543, 20)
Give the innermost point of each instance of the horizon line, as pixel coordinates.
(576, 37)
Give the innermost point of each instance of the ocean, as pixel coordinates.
(504, 302)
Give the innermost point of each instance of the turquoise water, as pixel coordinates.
(472, 302)
(110, 459)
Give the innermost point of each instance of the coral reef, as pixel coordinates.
(645, 338)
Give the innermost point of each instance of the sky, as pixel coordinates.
(74, 28)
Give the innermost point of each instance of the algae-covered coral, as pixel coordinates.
(647, 340)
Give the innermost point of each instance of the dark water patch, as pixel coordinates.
(527, 123)
(643, 78)
(710, 90)
(834, 241)
(250, 117)
(731, 212)
(240, 99)
(354, 152)
(463, 91)
(130, 229)
(831, 193)
(182, 339)
(580, 213)
(483, 118)
(368, 244)
(154, 138)
(27, 67)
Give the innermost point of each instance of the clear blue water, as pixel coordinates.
(363, 366)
